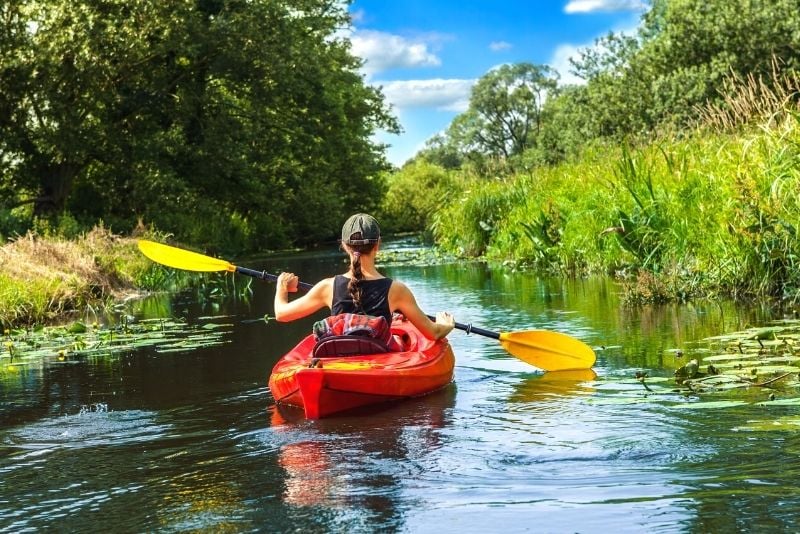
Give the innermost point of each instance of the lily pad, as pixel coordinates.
(601, 401)
(747, 368)
(709, 405)
(77, 328)
(648, 380)
(214, 326)
(40, 344)
(795, 401)
(787, 358)
(791, 423)
(727, 357)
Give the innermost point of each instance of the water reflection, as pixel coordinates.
(356, 465)
(553, 386)
(310, 478)
(745, 482)
(192, 441)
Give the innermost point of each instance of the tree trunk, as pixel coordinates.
(56, 185)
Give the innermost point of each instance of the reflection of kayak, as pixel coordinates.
(336, 384)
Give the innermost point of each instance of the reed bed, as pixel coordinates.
(714, 212)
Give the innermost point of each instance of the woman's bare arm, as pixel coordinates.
(402, 299)
(317, 297)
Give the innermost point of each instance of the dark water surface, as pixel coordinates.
(167, 442)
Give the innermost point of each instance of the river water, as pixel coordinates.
(192, 441)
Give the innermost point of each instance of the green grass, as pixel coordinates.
(44, 277)
(705, 214)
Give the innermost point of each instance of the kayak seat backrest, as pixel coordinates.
(348, 346)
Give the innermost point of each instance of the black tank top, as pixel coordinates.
(374, 297)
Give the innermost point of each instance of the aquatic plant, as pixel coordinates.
(755, 366)
(706, 214)
(467, 225)
(71, 343)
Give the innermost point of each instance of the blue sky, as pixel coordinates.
(427, 54)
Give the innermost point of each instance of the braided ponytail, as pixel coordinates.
(353, 286)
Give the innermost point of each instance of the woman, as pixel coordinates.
(362, 289)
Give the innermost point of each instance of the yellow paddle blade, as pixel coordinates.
(549, 351)
(182, 259)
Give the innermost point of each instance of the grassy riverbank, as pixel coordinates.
(712, 213)
(42, 278)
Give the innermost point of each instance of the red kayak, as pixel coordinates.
(325, 385)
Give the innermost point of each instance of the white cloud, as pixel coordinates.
(590, 6)
(560, 62)
(358, 16)
(564, 52)
(383, 51)
(440, 94)
(498, 46)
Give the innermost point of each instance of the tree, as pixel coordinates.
(415, 193)
(508, 102)
(505, 110)
(690, 47)
(206, 117)
(442, 151)
(678, 60)
(616, 100)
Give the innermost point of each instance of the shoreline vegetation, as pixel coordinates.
(45, 278)
(674, 167)
(710, 214)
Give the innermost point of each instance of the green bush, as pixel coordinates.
(415, 192)
(467, 224)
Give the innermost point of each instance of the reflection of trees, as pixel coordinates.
(588, 308)
(747, 482)
(344, 469)
(45, 389)
(16, 402)
(201, 496)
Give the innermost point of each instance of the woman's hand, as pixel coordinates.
(446, 320)
(288, 282)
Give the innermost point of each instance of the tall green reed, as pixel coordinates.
(705, 214)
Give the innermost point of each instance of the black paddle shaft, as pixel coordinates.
(264, 275)
(469, 329)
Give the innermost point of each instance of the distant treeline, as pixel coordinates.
(236, 125)
(676, 166)
(684, 56)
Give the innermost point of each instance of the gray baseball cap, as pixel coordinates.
(361, 229)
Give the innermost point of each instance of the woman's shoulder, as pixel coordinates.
(326, 282)
(397, 286)
(377, 279)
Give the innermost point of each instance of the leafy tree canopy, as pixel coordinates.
(682, 53)
(228, 122)
(503, 120)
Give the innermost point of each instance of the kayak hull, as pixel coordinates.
(339, 384)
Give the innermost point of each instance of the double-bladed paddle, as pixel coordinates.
(550, 351)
